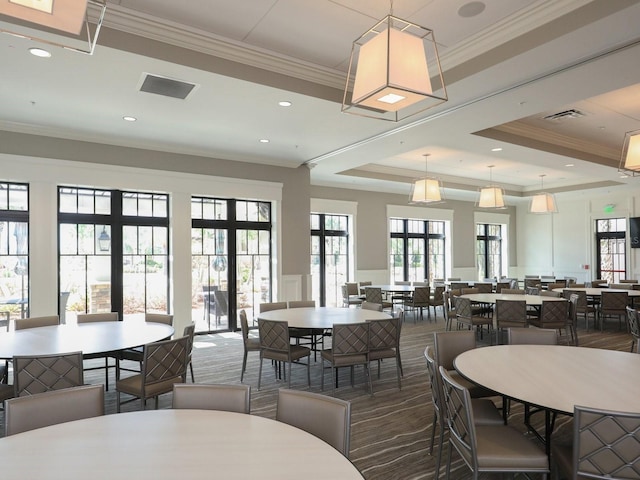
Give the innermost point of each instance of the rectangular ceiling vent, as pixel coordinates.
(571, 113)
(167, 87)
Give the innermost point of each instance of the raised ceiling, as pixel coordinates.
(507, 64)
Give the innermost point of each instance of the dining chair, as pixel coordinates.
(209, 302)
(633, 321)
(508, 314)
(101, 317)
(512, 291)
(229, 398)
(362, 285)
(164, 364)
(250, 344)
(486, 448)
(584, 308)
(135, 354)
(327, 418)
(448, 310)
(302, 304)
(222, 304)
(50, 408)
(268, 306)
(306, 336)
(465, 315)
(374, 295)
(376, 307)
(605, 445)
(350, 295)
(437, 299)
(553, 315)
(350, 347)
(531, 336)
(420, 300)
(189, 332)
(613, 304)
(502, 285)
(33, 374)
(572, 321)
(275, 345)
(483, 287)
(35, 322)
(485, 411)
(384, 342)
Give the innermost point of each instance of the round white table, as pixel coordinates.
(490, 298)
(597, 292)
(89, 338)
(394, 288)
(170, 444)
(322, 317)
(556, 377)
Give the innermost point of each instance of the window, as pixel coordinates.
(417, 250)
(611, 249)
(329, 257)
(489, 250)
(231, 260)
(114, 248)
(14, 250)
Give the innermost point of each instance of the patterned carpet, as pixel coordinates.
(390, 430)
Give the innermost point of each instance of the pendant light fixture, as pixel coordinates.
(426, 189)
(394, 71)
(630, 159)
(543, 202)
(491, 196)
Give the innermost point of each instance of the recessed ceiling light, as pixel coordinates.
(264, 140)
(285, 103)
(569, 165)
(129, 119)
(471, 9)
(496, 149)
(39, 52)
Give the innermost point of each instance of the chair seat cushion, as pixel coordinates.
(344, 360)
(485, 412)
(133, 386)
(476, 391)
(382, 353)
(253, 343)
(503, 447)
(297, 352)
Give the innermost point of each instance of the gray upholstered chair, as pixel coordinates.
(531, 336)
(325, 417)
(553, 315)
(267, 307)
(163, 365)
(302, 304)
(250, 344)
(584, 308)
(101, 317)
(486, 448)
(33, 374)
(633, 321)
(606, 444)
(189, 332)
(35, 322)
(419, 301)
(275, 345)
(512, 291)
(483, 287)
(437, 299)
(502, 285)
(135, 354)
(384, 342)
(510, 314)
(350, 294)
(350, 347)
(484, 410)
(465, 315)
(50, 408)
(230, 398)
(374, 295)
(613, 304)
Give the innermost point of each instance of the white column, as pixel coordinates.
(180, 260)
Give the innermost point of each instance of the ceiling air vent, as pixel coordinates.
(167, 87)
(571, 113)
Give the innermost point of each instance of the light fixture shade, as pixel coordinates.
(543, 203)
(426, 190)
(71, 24)
(491, 197)
(631, 151)
(394, 72)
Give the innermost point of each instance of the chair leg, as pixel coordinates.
(244, 366)
(260, 372)
(118, 401)
(193, 380)
(309, 372)
(439, 457)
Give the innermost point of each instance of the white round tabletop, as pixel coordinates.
(322, 317)
(597, 292)
(89, 338)
(532, 300)
(394, 288)
(170, 444)
(556, 377)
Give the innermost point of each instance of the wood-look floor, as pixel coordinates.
(390, 430)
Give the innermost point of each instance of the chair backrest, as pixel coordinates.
(621, 286)
(352, 288)
(189, 332)
(531, 336)
(274, 335)
(384, 334)
(222, 302)
(463, 307)
(327, 418)
(532, 290)
(470, 291)
(421, 296)
(573, 308)
(373, 295)
(436, 384)
(302, 303)
(34, 322)
(448, 345)
(614, 301)
(97, 317)
(458, 285)
(557, 284)
(511, 311)
(554, 312)
(229, 398)
(159, 318)
(36, 411)
(164, 361)
(462, 433)
(605, 443)
(377, 307)
(350, 339)
(33, 374)
(438, 293)
(512, 291)
(633, 318)
(502, 285)
(244, 326)
(402, 282)
(420, 284)
(267, 307)
(599, 283)
(549, 293)
(531, 282)
(483, 287)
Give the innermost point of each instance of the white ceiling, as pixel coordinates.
(505, 69)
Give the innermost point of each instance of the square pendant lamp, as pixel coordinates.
(543, 202)
(63, 23)
(394, 72)
(630, 159)
(491, 196)
(426, 190)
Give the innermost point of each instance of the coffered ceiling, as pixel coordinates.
(509, 65)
